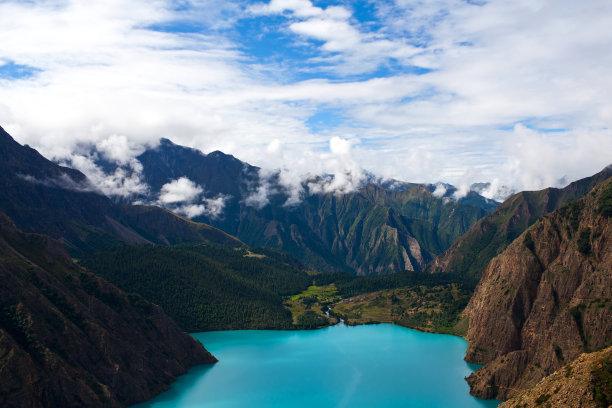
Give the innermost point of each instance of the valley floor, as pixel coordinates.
(430, 309)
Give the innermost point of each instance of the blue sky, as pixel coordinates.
(515, 93)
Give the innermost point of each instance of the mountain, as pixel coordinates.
(380, 228)
(545, 299)
(585, 383)
(471, 253)
(41, 196)
(218, 172)
(69, 338)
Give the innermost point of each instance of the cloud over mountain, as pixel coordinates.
(425, 91)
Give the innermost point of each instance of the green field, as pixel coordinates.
(431, 309)
(308, 308)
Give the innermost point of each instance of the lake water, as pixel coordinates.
(364, 366)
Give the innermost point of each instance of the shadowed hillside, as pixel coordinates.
(69, 338)
(42, 197)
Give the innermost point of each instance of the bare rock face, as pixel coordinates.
(585, 383)
(68, 338)
(544, 300)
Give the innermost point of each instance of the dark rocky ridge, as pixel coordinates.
(43, 197)
(544, 300)
(586, 383)
(471, 253)
(68, 338)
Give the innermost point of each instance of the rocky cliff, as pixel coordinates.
(471, 253)
(585, 383)
(545, 299)
(68, 338)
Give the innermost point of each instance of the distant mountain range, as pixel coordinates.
(383, 227)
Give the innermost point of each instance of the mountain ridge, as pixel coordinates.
(586, 382)
(69, 338)
(326, 231)
(43, 197)
(471, 253)
(545, 299)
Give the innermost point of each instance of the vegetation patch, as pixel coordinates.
(558, 352)
(602, 383)
(605, 201)
(577, 312)
(572, 212)
(431, 309)
(529, 241)
(311, 320)
(308, 308)
(584, 244)
(542, 399)
(321, 294)
(17, 324)
(203, 286)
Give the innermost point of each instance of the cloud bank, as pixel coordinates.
(187, 198)
(514, 93)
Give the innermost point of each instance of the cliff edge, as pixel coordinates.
(544, 300)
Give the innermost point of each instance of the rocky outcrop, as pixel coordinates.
(470, 254)
(68, 338)
(544, 300)
(585, 383)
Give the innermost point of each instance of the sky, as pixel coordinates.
(515, 93)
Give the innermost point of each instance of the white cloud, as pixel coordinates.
(352, 50)
(497, 191)
(343, 173)
(107, 79)
(191, 210)
(339, 146)
(301, 8)
(440, 190)
(125, 181)
(63, 181)
(538, 160)
(178, 191)
(211, 207)
(260, 196)
(215, 206)
(118, 149)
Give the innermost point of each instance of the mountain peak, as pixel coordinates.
(218, 153)
(166, 142)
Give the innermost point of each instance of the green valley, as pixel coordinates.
(431, 309)
(214, 287)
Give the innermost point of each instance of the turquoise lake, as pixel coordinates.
(364, 366)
